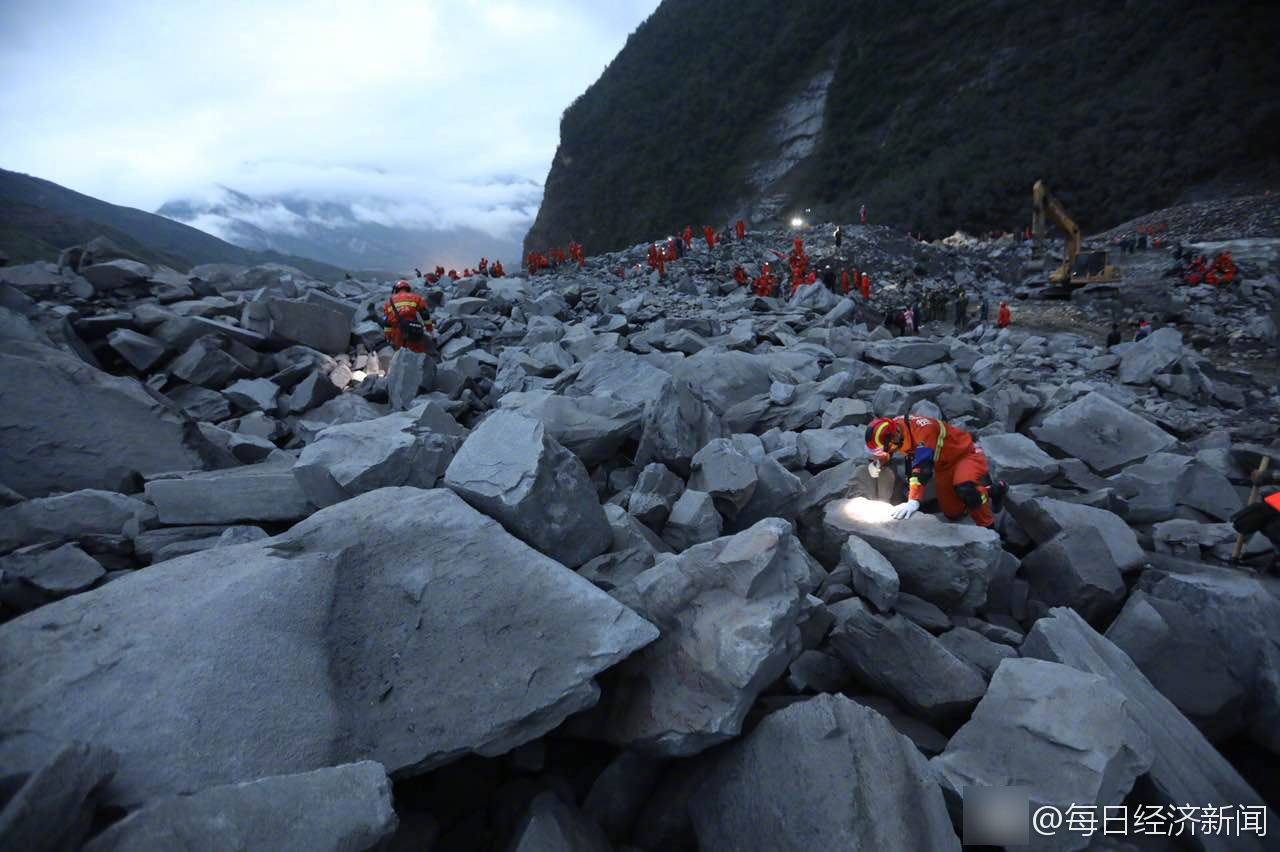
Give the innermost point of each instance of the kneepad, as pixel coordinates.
(970, 495)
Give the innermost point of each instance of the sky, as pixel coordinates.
(428, 113)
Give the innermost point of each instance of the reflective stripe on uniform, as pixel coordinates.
(942, 436)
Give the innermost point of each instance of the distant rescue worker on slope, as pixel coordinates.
(866, 287)
(1003, 316)
(687, 237)
(740, 229)
(839, 235)
(709, 234)
(407, 321)
(862, 215)
(935, 450)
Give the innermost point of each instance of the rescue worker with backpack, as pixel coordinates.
(932, 449)
(406, 320)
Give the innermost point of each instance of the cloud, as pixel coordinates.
(433, 112)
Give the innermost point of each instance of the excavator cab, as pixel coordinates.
(1078, 268)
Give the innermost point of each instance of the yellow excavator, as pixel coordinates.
(1078, 268)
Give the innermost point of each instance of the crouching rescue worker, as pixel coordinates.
(945, 454)
(406, 320)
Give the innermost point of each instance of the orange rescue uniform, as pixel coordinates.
(405, 306)
(950, 457)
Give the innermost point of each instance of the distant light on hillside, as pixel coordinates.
(797, 222)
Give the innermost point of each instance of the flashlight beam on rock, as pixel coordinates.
(867, 511)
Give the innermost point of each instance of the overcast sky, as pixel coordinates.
(446, 110)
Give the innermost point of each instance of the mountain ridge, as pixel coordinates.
(39, 218)
(937, 116)
(342, 233)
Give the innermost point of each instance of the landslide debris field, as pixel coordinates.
(594, 575)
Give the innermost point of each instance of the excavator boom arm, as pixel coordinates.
(1046, 206)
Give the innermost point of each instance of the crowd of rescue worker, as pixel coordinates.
(930, 450)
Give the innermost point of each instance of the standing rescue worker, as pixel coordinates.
(1003, 316)
(407, 322)
(741, 229)
(709, 234)
(947, 455)
(866, 287)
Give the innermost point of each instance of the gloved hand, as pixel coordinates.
(873, 468)
(905, 510)
(429, 327)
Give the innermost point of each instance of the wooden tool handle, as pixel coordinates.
(1253, 498)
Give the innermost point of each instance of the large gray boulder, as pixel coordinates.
(319, 646)
(1178, 652)
(1042, 518)
(593, 428)
(411, 448)
(142, 352)
(677, 424)
(634, 549)
(513, 471)
(870, 574)
(1017, 460)
(906, 352)
(619, 375)
(1186, 768)
(254, 395)
(826, 773)
(69, 517)
(977, 650)
(206, 363)
(655, 492)
(724, 379)
(1075, 569)
(404, 378)
(53, 810)
(256, 493)
(826, 447)
(68, 426)
(32, 576)
(726, 473)
(729, 611)
(1155, 487)
(207, 406)
(948, 564)
(1103, 434)
(1066, 735)
(777, 493)
(337, 808)
(1154, 354)
(1228, 624)
(552, 825)
(317, 326)
(693, 520)
(113, 274)
(901, 660)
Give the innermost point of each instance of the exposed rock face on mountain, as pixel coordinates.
(818, 107)
(606, 568)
